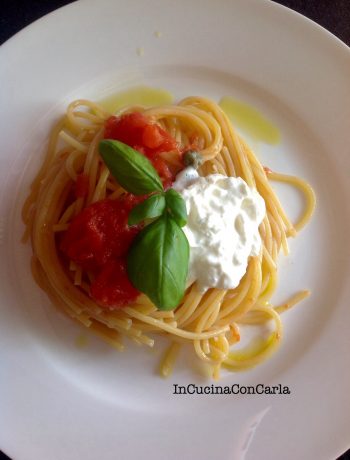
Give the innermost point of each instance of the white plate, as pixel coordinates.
(61, 402)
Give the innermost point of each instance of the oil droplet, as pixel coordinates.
(140, 51)
(139, 95)
(250, 120)
(81, 341)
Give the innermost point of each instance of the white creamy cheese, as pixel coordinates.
(224, 215)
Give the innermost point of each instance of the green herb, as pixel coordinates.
(152, 207)
(176, 206)
(132, 170)
(158, 262)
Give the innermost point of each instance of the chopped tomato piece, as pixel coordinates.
(169, 143)
(127, 128)
(163, 171)
(152, 137)
(112, 288)
(100, 232)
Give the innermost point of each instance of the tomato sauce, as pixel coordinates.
(82, 185)
(99, 237)
(112, 287)
(98, 240)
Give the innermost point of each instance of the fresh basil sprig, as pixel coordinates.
(157, 262)
(152, 207)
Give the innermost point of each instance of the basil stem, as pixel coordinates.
(176, 206)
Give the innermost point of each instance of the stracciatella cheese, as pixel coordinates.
(222, 229)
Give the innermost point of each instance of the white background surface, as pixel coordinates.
(58, 401)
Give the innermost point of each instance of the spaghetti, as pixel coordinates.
(210, 322)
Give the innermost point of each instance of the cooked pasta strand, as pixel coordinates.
(211, 321)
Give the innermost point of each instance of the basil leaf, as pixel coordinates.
(157, 262)
(132, 170)
(152, 207)
(176, 206)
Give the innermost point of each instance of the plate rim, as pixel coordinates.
(21, 34)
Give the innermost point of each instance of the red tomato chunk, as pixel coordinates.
(97, 239)
(148, 138)
(112, 286)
